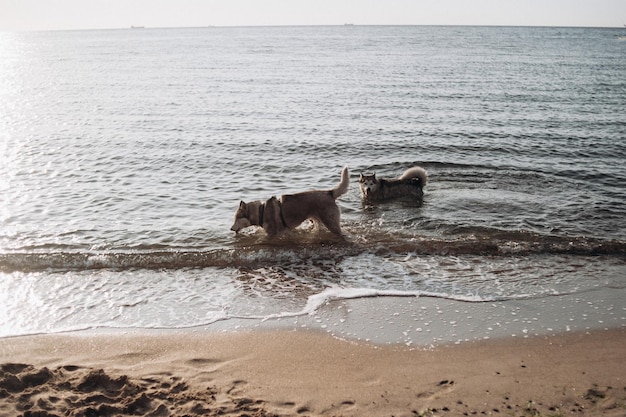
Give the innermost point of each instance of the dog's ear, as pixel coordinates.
(361, 177)
(242, 205)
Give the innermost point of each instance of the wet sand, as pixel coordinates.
(283, 372)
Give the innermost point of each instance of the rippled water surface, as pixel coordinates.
(124, 154)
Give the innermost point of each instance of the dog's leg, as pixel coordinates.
(271, 217)
(331, 219)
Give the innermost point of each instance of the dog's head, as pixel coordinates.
(369, 184)
(242, 218)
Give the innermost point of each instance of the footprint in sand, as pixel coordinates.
(202, 361)
(204, 368)
(342, 407)
(290, 405)
(236, 387)
(443, 387)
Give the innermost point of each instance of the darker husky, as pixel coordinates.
(410, 183)
(276, 215)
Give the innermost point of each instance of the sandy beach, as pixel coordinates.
(307, 372)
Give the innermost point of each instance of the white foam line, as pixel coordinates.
(316, 301)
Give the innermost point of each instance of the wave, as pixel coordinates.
(314, 304)
(474, 241)
(317, 301)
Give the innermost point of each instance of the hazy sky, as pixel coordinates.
(85, 14)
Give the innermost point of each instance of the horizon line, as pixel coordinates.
(347, 24)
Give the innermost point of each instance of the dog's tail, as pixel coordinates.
(416, 172)
(343, 186)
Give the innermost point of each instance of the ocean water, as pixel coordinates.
(124, 155)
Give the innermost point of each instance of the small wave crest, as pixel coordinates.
(157, 260)
(476, 241)
(317, 301)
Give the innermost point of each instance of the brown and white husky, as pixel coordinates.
(411, 183)
(277, 215)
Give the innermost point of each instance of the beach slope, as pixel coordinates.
(291, 373)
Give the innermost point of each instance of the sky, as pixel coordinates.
(23, 15)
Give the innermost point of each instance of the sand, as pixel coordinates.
(306, 372)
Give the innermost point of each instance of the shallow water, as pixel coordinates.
(126, 152)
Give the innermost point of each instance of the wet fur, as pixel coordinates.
(277, 215)
(411, 183)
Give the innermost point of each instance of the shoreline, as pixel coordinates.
(280, 372)
(429, 322)
(426, 321)
(364, 356)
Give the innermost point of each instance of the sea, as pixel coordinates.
(124, 155)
